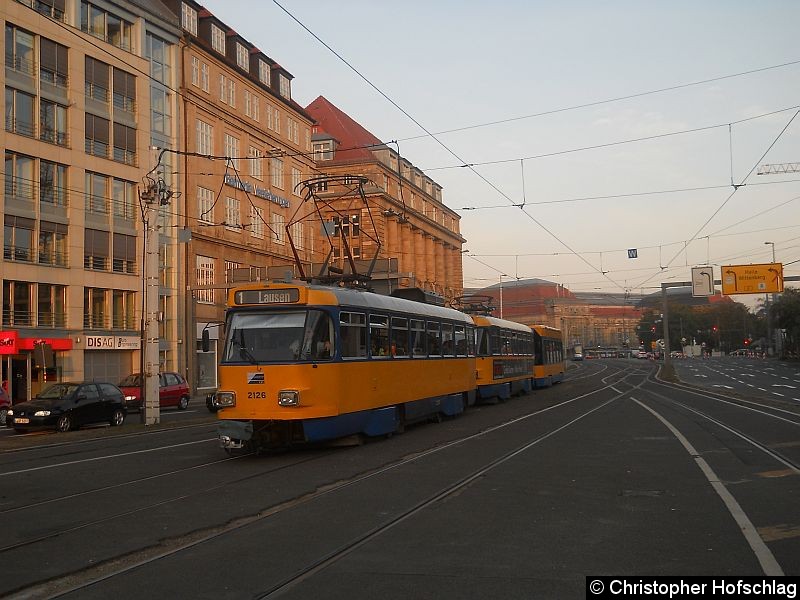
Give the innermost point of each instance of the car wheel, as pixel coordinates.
(183, 403)
(117, 418)
(64, 422)
(3, 416)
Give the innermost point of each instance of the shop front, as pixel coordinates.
(30, 363)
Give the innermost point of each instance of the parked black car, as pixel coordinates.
(66, 406)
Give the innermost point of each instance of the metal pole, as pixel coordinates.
(769, 301)
(665, 323)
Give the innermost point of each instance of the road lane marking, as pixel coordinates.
(791, 387)
(767, 560)
(96, 458)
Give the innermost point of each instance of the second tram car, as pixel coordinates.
(505, 357)
(305, 363)
(549, 350)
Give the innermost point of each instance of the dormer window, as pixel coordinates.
(217, 39)
(285, 88)
(323, 150)
(241, 57)
(263, 72)
(189, 18)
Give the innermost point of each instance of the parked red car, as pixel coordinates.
(173, 390)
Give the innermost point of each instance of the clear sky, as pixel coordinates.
(456, 65)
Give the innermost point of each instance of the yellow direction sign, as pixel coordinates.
(752, 279)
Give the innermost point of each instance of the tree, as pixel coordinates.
(785, 312)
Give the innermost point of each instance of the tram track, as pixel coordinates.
(79, 580)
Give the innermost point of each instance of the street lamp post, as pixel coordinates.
(770, 347)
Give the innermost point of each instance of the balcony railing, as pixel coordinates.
(96, 148)
(53, 258)
(19, 318)
(96, 92)
(20, 127)
(52, 320)
(59, 138)
(57, 79)
(44, 8)
(124, 266)
(18, 253)
(124, 156)
(20, 64)
(91, 321)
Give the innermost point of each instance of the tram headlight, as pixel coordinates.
(289, 398)
(224, 399)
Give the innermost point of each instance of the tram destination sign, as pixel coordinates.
(752, 279)
(284, 296)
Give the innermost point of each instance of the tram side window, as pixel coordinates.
(379, 336)
(461, 340)
(482, 341)
(495, 341)
(448, 340)
(353, 328)
(418, 345)
(400, 337)
(434, 338)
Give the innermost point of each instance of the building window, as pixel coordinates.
(323, 150)
(279, 227)
(188, 18)
(53, 65)
(217, 39)
(52, 305)
(276, 170)
(205, 138)
(52, 244)
(124, 199)
(251, 105)
(18, 238)
(204, 77)
(124, 257)
(97, 80)
(295, 181)
(52, 122)
(106, 26)
(255, 162)
(285, 87)
(19, 112)
(161, 109)
(52, 183)
(205, 205)
(263, 72)
(230, 270)
(227, 90)
(19, 50)
(123, 309)
(17, 303)
(95, 311)
(96, 189)
(124, 91)
(158, 51)
(292, 129)
(204, 275)
(124, 144)
(233, 215)
(297, 235)
(195, 71)
(242, 57)
(95, 250)
(19, 171)
(257, 222)
(232, 150)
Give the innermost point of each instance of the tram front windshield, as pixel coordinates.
(278, 336)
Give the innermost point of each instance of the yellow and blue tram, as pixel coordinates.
(306, 363)
(549, 364)
(504, 358)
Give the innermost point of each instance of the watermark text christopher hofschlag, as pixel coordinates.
(686, 587)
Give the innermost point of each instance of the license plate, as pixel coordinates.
(22, 421)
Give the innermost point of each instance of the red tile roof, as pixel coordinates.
(352, 136)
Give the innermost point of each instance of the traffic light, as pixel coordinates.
(653, 329)
(714, 329)
(746, 341)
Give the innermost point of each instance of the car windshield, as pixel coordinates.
(131, 381)
(59, 390)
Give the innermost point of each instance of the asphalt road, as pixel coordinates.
(610, 472)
